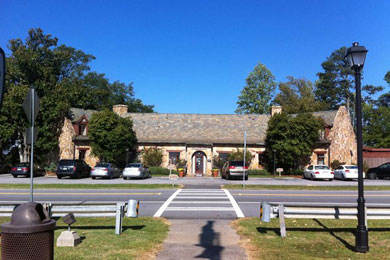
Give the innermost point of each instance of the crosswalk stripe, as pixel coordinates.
(234, 204)
(203, 194)
(206, 197)
(201, 197)
(199, 209)
(202, 202)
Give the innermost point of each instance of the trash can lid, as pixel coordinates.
(29, 218)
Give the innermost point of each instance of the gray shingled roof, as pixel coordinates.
(200, 128)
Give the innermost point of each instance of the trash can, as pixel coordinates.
(29, 235)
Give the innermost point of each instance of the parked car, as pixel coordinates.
(380, 172)
(72, 168)
(234, 169)
(135, 170)
(105, 170)
(345, 172)
(318, 172)
(23, 169)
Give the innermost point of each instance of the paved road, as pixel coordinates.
(195, 181)
(198, 203)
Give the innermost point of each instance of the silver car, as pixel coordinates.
(105, 170)
(234, 169)
(135, 170)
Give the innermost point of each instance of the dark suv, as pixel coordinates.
(380, 172)
(72, 168)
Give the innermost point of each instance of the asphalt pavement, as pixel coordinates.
(194, 182)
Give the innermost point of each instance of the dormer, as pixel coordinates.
(81, 126)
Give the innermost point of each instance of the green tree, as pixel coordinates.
(334, 84)
(62, 79)
(51, 69)
(258, 92)
(152, 156)
(387, 77)
(292, 139)
(98, 93)
(376, 126)
(238, 155)
(111, 135)
(297, 96)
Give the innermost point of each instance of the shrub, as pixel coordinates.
(152, 157)
(160, 171)
(336, 163)
(258, 172)
(52, 167)
(294, 172)
(181, 164)
(218, 162)
(238, 155)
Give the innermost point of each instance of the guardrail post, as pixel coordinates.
(265, 212)
(365, 217)
(119, 216)
(282, 223)
(132, 209)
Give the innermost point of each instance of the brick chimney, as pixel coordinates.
(276, 110)
(120, 110)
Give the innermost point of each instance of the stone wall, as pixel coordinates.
(66, 145)
(343, 138)
(65, 142)
(188, 152)
(121, 110)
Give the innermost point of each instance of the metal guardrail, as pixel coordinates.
(84, 209)
(283, 211)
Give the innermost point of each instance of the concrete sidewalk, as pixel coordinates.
(201, 239)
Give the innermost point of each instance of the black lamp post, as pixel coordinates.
(356, 55)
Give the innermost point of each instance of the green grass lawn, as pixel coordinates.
(311, 239)
(301, 187)
(141, 239)
(91, 186)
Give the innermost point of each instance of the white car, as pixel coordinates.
(314, 172)
(345, 172)
(135, 170)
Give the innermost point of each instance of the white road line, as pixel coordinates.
(166, 203)
(202, 194)
(203, 202)
(200, 197)
(199, 209)
(234, 204)
(202, 190)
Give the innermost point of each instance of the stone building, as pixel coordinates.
(197, 138)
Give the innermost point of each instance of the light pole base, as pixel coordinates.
(361, 240)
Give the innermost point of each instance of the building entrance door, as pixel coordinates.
(199, 162)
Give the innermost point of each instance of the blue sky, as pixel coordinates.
(194, 56)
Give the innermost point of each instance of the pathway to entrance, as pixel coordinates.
(201, 239)
(200, 225)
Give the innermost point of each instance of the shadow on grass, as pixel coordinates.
(332, 231)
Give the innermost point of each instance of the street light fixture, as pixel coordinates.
(356, 56)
